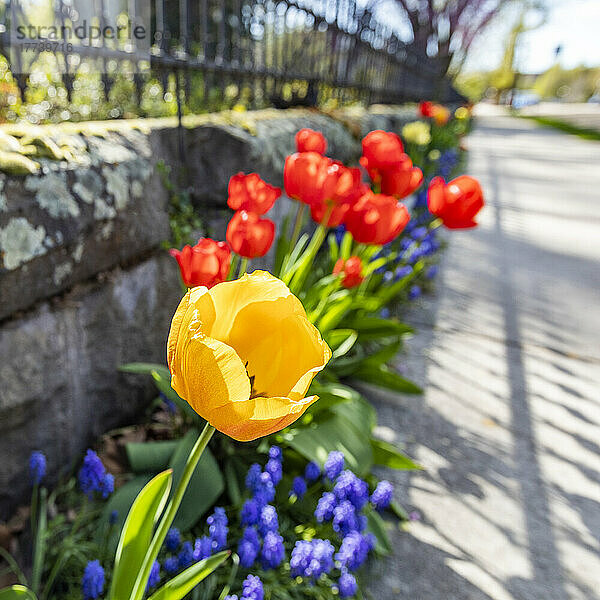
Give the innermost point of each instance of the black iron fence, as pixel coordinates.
(257, 52)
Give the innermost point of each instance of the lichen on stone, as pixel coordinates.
(108, 151)
(20, 242)
(3, 201)
(61, 272)
(103, 210)
(117, 184)
(53, 195)
(88, 185)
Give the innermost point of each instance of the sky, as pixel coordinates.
(572, 24)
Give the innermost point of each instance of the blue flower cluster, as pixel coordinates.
(416, 243)
(154, 577)
(37, 467)
(311, 559)
(92, 582)
(381, 498)
(342, 506)
(446, 163)
(252, 589)
(94, 478)
(184, 554)
(261, 538)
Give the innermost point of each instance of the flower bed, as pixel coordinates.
(256, 423)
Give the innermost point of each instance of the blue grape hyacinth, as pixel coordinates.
(347, 585)
(325, 506)
(273, 552)
(37, 467)
(298, 487)
(93, 476)
(275, 470)
(92, 582)
(268, 520)
(381, 498)
(171, 565)
(186, 556)
(350, 487)
(202, 548)
(252, 588)
(154, 577)
(354, 550)
(250, 512)
(334, 465)
(248, 547)
(312, 472)
(217, 529)
(172, 539)
(311, 559)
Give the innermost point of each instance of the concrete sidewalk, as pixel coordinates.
(509, 354)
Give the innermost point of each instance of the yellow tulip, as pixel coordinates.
(243, 355)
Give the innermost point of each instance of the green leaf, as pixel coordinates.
(359, 412)
(372, 328)
(162, 380)
(142, 368)
(182, 584)
(137, 534)
(150, 457)
(164, 385)
(346, 246)
(341, 341)
(17, 592)
(376, 526)
(384, 377)
(334, 314)
(384, 354)
(334, 432)
(121, 502)
(282, 247)
(387, 455)
(334, 249)
(233, 485)
(205, 487)
(321, 388)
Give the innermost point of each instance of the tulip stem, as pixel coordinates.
(235, 259)
(243, 266)
(169, 515)
(297, 224)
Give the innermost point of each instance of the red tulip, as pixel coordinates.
(249, 235)
(308, 140)
(402, 180)
(304, 176)
(251, 193)
(207, 263)
(381, 149)
(337, 213)
(351, 269)
(457, 202)
(426, 108)
(341, 189)
(376, 219)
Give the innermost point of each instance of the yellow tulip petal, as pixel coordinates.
(208, 374)
(257, 417)
(231, 297)
(195, 314)
(294, 352)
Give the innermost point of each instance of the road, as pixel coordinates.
(508, 350)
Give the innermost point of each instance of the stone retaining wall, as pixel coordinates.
(84, 284)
